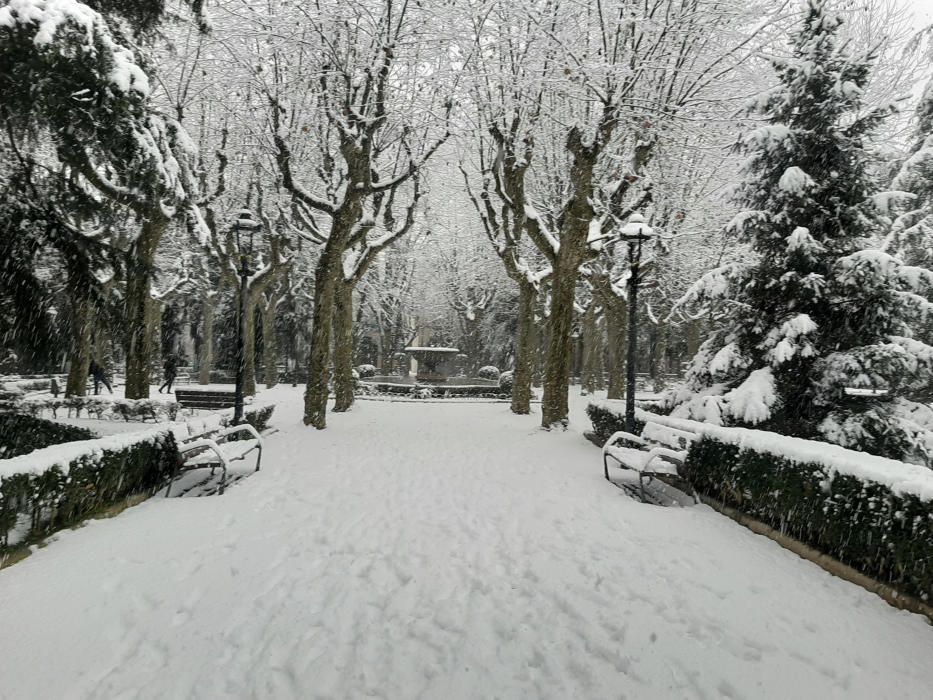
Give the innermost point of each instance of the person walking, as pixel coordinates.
(96, 371)
(170, 366)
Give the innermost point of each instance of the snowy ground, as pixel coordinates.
(434, 551)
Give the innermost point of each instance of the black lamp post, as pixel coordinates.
(244, 222)
(634, 233)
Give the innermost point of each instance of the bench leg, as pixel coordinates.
(606, 467)
(223, 479)
(641, 486)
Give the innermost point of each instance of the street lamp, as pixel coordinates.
(244, 223)
(633, 233)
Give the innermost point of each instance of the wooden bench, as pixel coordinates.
(214, 450)
(658, 452)
(207, 399)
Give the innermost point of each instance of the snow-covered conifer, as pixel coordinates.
(813, 313)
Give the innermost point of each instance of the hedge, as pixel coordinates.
(21, 434)
(862, 523)
(435, 391)
(58, 486)
(101, 408)
(871, 513)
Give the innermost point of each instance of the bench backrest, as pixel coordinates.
(206, 399)
(668, 437)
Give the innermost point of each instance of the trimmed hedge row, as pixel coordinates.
(864, 524)
(61, 485)
(259, 416)
(127, 409)
(424, 391)
(881, 530)
(21, 434)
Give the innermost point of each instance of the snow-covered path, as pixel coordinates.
(439, 551)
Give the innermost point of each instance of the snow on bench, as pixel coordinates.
(661, 450)
(213, 450)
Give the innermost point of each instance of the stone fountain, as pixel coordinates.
(434, 364)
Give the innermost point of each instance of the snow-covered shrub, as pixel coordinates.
(884, 530)
(506, 379)
(21, 434)
(488, 372)
(422, 392)
(366, 371)
(102, 408)
(58, 486)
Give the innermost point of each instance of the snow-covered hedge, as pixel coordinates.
(488, 372)
(58, 486)
(102, 408)
(432, 391)
(21, 434)
(366, 371)
(506, 379)
(872, 513)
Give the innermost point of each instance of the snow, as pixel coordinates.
(795, 180)
(457, 552)
(751, 401)
(801, 241)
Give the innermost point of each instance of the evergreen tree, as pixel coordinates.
(911, 235)
(814, 312)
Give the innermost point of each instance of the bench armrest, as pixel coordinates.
(623, 435)
(241, 428)
(203, 443)
(658, 452)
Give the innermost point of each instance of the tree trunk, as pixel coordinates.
(616, 311)
(554, 406)
(693, 338)
(139, 274)
(249, 349)
(343, 346)
(80, 348)
(524, 349)
(206, 359)
(592, 378)
(269, 353)
(325, 283)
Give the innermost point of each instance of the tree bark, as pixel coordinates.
(139, 275)
(554, 406)
(269, 349)
(592, 379)
(249, 348)
(325, 282)
(616, 311)
(80, 350)
(343, 346)
(206, 359)
(524, 349)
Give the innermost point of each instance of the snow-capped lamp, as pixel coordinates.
(636, 229)
(634, 232)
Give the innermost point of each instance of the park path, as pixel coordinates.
(439, 551)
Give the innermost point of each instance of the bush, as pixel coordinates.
(101, 408)
(366, 371)
(58, 486)
(488, 372)
(21, 434)
(506, 379)
(607, 421)
(871, 513)
(869, 526)
(259, 416)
